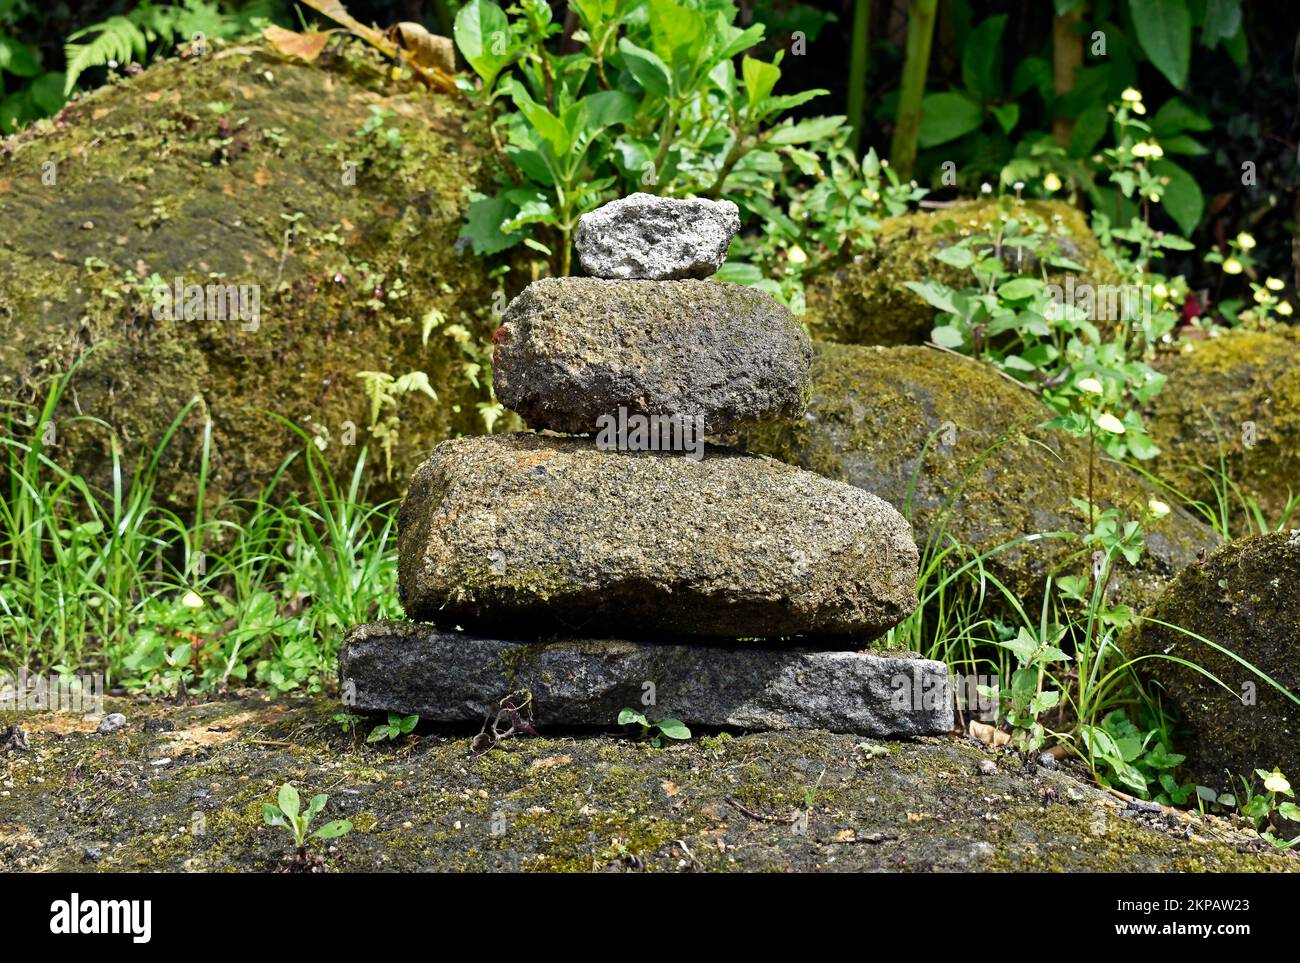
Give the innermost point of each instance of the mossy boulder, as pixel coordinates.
(182, 789)
(236, 169)
(959, 449)
(1237, 396)
(864, 302)
(1242, 598)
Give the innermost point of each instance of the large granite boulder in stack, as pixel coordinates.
(740, 588)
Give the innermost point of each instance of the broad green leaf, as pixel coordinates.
(946, 336)
(1018, 289)
(1182, 198)
(629, 716)
(483, 36)
(1222, 21)
(553, 133)
(646, 66)
(936, 294)
(1176, 116)
(339, 827)
(981, 59)
(314, 807)
(760, 78)
(673, 729)
(948, 116)
(1164, 29)
(17, 58)
(807, 131)
(958, 257)
(289, 801)
(272, 816)
(1007, 115)
(609, 107)
(483, 225)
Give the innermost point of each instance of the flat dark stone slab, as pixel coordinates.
(411, 668)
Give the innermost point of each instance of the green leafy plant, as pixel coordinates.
(655, 732)
(1027, 697)
(1266, 808)
(651, 100)
(1138, 762)
(396, 727)
(298, 824)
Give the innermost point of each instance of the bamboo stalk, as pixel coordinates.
(907, 128)
(859, 55)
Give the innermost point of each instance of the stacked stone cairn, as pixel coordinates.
(614, 560)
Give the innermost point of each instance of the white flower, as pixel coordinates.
(1274, 284)
(1245, 241)
(191, 600)
(1159, 290)
(986, 188)
(1131, 95)
(795, 255)
(1051, 183)
(1090, 385)
(1284, 309)
(1158, 508)
(1109, 422)
(1232, 266)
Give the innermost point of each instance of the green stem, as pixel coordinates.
(859, 54)
(665, 141)
(907, 129)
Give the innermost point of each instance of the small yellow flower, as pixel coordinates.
(1158, 508)
(1274, 284)
(1245, 241)
(191, 600)
(1051, 183)
(1232, 266)
(1159, 290)
(1260, 295)
(1131, 96)
(1284, 309)
(1091, 385)
(796, 255)
(1139, 108)
(1276, 782)
(1109, 422)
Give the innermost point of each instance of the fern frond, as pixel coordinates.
(119, 39)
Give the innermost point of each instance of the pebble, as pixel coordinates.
(111, 723)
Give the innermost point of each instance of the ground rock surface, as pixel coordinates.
(450, 677)
(183, 790)
(529, 534)
(571, 350)
(643, 236)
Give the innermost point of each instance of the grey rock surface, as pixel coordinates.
(111, 723)
(656, 238)
(533, 534)
(445, 676)
(573, 349)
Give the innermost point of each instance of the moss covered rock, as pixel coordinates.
(182, 789)
(236, 169)
(959, 450)
(865, 302)
(1242, 598)
(1237, 395)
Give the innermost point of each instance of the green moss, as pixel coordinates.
(1243, 599)
(564, 803)
(1235, 396)
(960, 451)
(150, 180)
(865, 303)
